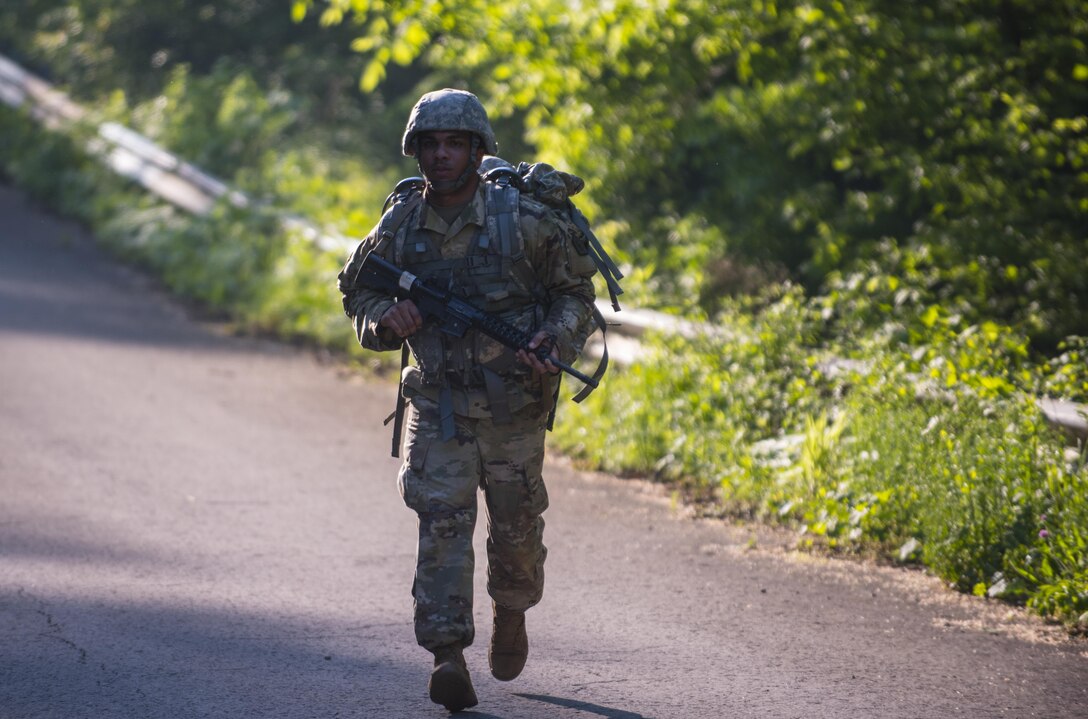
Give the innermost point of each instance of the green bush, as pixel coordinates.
(925, 449)
(222, 260)
(688, 408)
(50, 167)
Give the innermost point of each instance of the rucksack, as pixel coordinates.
(544, 183)
(554, 188)
(547, 185)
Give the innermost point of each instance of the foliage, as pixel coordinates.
(1066, 375)
(809, 133)
(925, 449)
(690, 408)
(95, 48)
(220, 122)
(781, 139)
(46, 165)
(879, 204)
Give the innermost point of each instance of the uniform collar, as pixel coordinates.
(474, 214)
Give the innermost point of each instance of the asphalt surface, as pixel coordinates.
(199, 525)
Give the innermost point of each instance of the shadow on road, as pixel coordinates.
(608, 712)
(91, 657)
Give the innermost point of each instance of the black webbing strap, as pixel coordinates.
(551, 400)
(445, 413)
(603, 364)
(405, 197)
(502, 221)
(607, 267)
(398, 413)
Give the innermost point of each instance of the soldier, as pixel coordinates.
(478, 411)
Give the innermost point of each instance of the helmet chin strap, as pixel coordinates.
(461, 180)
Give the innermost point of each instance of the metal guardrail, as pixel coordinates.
(49, 106)
(134, 156)
(131, 155)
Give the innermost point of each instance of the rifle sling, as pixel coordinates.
(398, 413)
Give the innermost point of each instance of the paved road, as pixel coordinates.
(194, 525)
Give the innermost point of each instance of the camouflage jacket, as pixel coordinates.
(464, 255)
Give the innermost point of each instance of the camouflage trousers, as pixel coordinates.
(439, 480)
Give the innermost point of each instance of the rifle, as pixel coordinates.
(454, 315)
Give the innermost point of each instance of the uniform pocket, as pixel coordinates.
(514, 496)
(411, 478)
(437, 475)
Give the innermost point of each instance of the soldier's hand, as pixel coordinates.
(403, 318)
(545, 340)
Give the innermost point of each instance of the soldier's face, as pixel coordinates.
(444, 158)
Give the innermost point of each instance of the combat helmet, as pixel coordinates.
(449, 110)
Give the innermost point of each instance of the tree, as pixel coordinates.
(807, 135)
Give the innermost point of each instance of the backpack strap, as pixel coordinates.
(602, 366)
(607, 267)
(503, 184)
(503, 223)
(555, 188)
(405, 189)
(405, 197)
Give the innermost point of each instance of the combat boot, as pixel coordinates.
(450, 684)
(509, 644)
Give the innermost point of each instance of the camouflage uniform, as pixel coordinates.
(500, 407)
